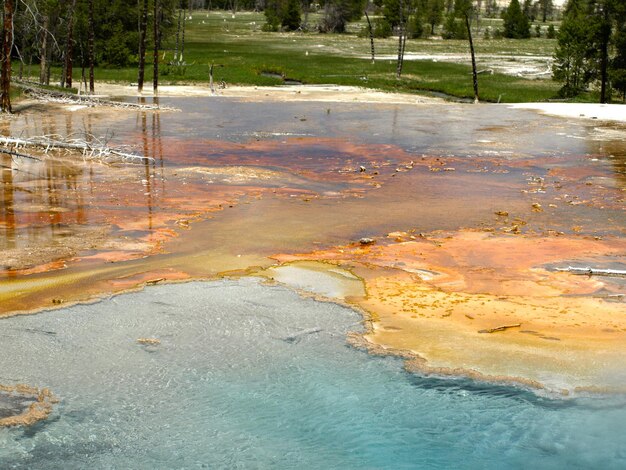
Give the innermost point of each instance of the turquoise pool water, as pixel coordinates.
(252, 376)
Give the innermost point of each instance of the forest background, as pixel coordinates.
(70, 43)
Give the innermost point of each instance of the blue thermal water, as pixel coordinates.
(252, 376)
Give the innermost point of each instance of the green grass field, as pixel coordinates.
(245, 54)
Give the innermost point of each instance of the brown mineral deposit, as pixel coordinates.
(38, 410)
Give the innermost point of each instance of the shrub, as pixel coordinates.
(454, 28)
(416, 27)
(382, 28)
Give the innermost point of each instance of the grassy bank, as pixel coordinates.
(248, 56)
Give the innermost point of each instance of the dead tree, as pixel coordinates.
(7, 45)
(371, 33)
(48, 43)
(176, 47)
(91, 48)
(143, 29)
(467, 14)
(157, 43)
(401, 40)
(465, 9)
(180, 34)
(43, 66)
(69, 46)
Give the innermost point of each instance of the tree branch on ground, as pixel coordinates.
(71, 98)
(91, 147)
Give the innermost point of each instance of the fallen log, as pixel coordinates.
(93, 150)
(90, 101)
(500, 328)
(588, 271)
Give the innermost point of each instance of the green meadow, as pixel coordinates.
(243, 54)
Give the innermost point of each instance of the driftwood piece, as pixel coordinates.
(149, 341)
(500, 328)
(589, 271)
(92, 150)
(91, 101)
(294, 338)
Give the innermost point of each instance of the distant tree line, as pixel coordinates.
(71, 34)
(421, 17)
(591, 40)
(83, 34)
(46, 32)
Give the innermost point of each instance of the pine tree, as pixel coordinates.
(516, 24)
(572, 64)
(291, 15)
(434, 13)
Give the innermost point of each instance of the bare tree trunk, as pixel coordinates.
(48, 63)
(182, 38)
(7, 45)
(83, 79)
(471, 43)
(69, 46)
(51, 20)
(603, 72)
(371, 33)
(401, 46)
(404, 43)
(211, 79)
(157, 41)
(91, 49)
(605, 36)
(401, 40)
(305, 8)
(143, 27)
(43, 72)
(176, 47)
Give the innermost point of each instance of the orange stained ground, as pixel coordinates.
(463, 246)
(442, 296)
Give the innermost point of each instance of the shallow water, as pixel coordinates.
(251, 376)
(78, 217)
